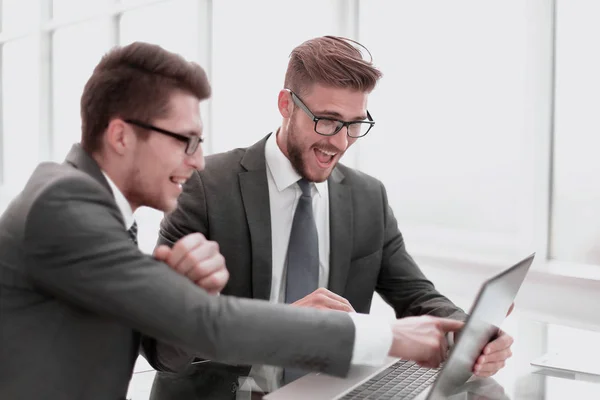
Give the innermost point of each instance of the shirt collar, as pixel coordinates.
(122, 203)
(281, 168)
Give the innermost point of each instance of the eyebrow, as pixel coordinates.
(336, 115)
(192, 132)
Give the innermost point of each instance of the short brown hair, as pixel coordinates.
(330, 61)
(135, 81)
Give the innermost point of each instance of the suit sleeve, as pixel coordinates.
(402, 284)
(188, 217)
(80, 253)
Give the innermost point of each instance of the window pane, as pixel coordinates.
(457, 114)
(88, 42)
(249, 65)
(20, 99)
(576, 197)
(19, 15)
(171, 24)
(74, 8)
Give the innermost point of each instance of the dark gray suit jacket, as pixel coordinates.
(229, 203)
(75, 292)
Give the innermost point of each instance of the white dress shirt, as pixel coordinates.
(373, 336)
(122, 203)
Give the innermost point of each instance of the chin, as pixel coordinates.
(165, 205)
(314, 173)
(169, 206)
(321, 176)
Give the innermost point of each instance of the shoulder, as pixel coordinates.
(62, 180)
(229, 160)
(56, 190)
(58, 196)
(237, 160)
(359, 179)
(220, 173)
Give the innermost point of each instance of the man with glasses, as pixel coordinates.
(296, 227)
(79, 300)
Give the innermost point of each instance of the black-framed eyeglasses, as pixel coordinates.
(191, 142)
(330, 126)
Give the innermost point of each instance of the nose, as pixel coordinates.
(196, 160)
(340, 139)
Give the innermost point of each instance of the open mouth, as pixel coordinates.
(324, 157)
(178, 180)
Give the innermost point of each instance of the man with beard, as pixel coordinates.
(76, 292)
(286, 198)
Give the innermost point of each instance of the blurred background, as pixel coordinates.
(487, 119)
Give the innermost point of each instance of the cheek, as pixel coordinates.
(305, 137)
(164, 159)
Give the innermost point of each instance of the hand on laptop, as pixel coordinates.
(198, 259)
(494, 354)
(422, 339)
(325, 300)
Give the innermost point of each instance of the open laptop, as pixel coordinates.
(570, 364)
(402, 379)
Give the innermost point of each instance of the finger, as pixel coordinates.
(449, 325)
(501, 355)
(436, 361)
(334, 296)
(333, 304)
(503, 341)
(427, 364)
(431, 362)
(216, 282)
(183, 246)
(488, 369)
(161, 253)
(195, 259)
(205, 268)
(443, 348)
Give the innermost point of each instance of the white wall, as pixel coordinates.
(576, 201)
(485, 136)
(459, 111)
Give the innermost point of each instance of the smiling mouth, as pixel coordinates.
(324, 157)
(178, 180)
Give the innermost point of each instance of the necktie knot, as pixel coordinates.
(305, 187)
(133, 231)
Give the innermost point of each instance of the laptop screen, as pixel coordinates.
(487, 314)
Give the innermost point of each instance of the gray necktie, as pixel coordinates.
(302, 276)
(133, 231)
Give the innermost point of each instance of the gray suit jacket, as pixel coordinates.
(75, 292)
(229, 203)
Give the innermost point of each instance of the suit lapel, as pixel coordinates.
(255, 196)
(80, 159)
(340, 226)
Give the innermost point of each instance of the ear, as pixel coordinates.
(285, 103)
(117, 137)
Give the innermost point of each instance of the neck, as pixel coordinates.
(114, 170)
(281, 142)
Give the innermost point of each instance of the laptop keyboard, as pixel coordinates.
(402, 380)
